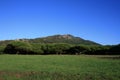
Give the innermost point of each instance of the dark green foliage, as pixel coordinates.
(2, 49)
(37, 49)
(18, 47)
(60, 48)
(77, 50)
(115, 49)
(10, 49)
(97, 50)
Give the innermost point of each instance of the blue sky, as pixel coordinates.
(96, 20)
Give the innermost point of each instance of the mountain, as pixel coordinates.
(67, 38)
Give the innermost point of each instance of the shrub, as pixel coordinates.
(18, 47)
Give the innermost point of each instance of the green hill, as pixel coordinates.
(67, 38)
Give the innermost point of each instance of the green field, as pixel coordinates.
(58, 67)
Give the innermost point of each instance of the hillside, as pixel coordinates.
(56, 44)
(67, 38)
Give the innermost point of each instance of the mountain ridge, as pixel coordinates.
(58, 38)
(66, 38)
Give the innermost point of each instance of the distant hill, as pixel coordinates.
(4, 42)
(67, 38)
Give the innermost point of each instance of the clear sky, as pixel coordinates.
(96, 20)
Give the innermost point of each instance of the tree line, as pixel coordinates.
(26, 48)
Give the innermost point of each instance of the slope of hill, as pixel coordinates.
(3, 43)
(67, 38)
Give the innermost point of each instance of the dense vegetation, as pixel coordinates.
(58, 44)
(64, 67)
(21, 47)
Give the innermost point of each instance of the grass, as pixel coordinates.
(58, 67)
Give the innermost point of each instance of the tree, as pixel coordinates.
(98, 50)
(61, 48)
(18, 47)
(36, 48)
(2, 49)
(55, 48)
(115, 49)
(77, 50)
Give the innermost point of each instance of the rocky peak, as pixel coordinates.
(67, 36)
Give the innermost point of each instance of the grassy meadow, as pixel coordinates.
(58, 67)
